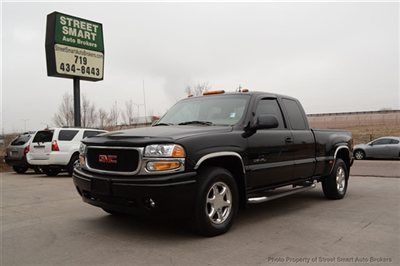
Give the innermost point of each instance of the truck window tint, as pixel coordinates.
(21, 140)
(43, 136)
(67, 135)
(270, 107)
(90, 133)
(295, 114)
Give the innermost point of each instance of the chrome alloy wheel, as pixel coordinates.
(219, 201)
(359, 155)
(340, 179)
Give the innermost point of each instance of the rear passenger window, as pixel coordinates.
(43, 136)
(91, 133)
(394, 141)
(270, 107)
(295, 114)
(67, 135)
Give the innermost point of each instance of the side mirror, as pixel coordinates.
(266, 121)
(371, 144)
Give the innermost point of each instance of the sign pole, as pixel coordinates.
(77, 102)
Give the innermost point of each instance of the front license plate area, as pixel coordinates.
(100, 187)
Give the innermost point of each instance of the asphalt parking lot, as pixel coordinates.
(44, 222)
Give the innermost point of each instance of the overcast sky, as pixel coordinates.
(334, 57)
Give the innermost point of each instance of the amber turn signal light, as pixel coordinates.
(162, 165)
(178, 152)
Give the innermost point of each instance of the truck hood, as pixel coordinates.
(147, 135)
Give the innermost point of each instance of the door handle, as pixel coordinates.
(289, 140)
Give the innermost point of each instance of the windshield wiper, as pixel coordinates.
(163, 124)
(206, 123)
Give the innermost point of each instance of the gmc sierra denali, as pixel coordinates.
(210, 155)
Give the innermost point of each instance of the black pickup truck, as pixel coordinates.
(210, 155)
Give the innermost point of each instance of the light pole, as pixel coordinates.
(25, 120)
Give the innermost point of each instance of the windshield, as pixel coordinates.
(208, 110)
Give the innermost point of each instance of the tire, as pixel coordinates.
(214, 213)
(335, 185)
(20, 169)
(72, 163)
(359, 154)
(51, 171)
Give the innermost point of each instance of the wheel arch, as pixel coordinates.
(76, 153)
(343, 152)
(231, 161)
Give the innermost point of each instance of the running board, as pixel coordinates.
(280, 195)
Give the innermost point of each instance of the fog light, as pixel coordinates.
(162, 165)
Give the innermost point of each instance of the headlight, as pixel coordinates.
(82, 149)
(82, 152)
(164, 150)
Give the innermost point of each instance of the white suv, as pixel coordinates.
(57, 149)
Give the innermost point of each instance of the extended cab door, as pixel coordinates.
(269, 150)
(303, 139)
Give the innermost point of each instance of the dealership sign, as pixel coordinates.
(74, 47)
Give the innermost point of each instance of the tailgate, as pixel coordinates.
(40, 147)
(15, 152)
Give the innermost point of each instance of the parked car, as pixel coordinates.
(55, 150)
(208, 155)
(16, 152)
(383, 148)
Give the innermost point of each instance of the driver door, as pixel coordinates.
(378, 148)
(270, 152)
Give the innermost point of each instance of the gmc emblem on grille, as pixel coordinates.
(103, 158)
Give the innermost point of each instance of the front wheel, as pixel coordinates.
(335, 185)
(217, 201)
(359, 154)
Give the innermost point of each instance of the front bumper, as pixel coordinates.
(174, 193)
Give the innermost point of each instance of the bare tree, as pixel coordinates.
(129, 115)
(113, 116)
(65, 113)
(102, 118)
(89, 113)
(198, 89)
